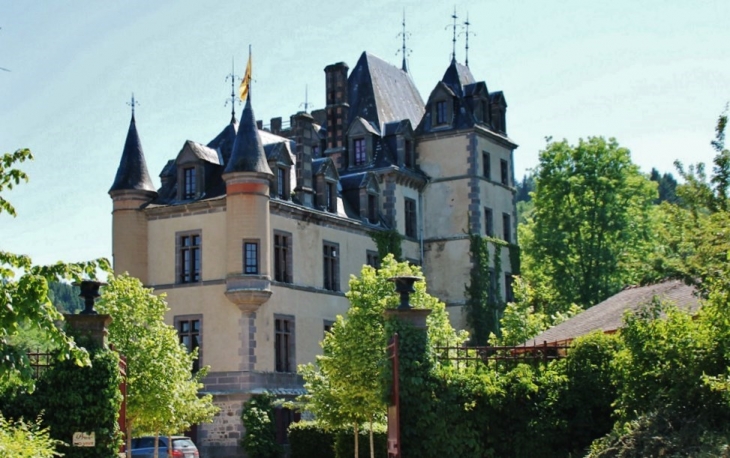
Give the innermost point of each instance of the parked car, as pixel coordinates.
(182, 447)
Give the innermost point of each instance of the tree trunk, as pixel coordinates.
(128, 427)
(157, 446)
(357, 443)
(372, 440)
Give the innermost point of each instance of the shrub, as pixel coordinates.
(259, 440)
(19, 439)
(309, 439)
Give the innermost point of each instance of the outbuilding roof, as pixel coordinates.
(608, 315)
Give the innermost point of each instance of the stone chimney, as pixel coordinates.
(304, 139)
(337, 110)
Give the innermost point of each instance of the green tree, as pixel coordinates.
(162, 391)
(667, 186)
(590, 227)
(24, 293)
(346, 384)
(65, 297)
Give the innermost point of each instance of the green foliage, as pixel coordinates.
(667, 187)
(348, 382)
(75, 398)
(162, 391)
(344, 442)
(24, 301)
(484, 305)
(590, 226)
(20, 439)
(310, 438)
(388, 242)
(65, 297)
(259, 439)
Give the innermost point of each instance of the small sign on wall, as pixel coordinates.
(84, 440)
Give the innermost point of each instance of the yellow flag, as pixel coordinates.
(246, 81)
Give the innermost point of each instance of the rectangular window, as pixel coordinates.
(331, 197)
(372, 209)
(373, 260)
(486, 165)
(506, 228)
(492, 285)
(488, 222)
(282, 258)
(441, 113)
(250, 258)
(361, 156)
(282, 190)
(189, 331)
(509, 294)
(189, 258)
(328, 326)
(331, 266)
(504, 166)
(408, 154)
(189, 187)
(284, 343)
(411, 217)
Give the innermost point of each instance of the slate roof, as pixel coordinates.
(132, 172)
(381, 93)
(608, 315)
(248, 150)
(457, 76)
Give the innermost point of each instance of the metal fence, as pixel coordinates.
(533, 354)
(39, 362)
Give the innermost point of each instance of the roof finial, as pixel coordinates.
(453, 39)
(466, 32)
(306, 99)
(232, 77)
(132, 103)
(404, 50)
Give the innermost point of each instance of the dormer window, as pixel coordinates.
(441, 112)
(282, 183)
(373, 208)
(190, 188)
(360, 154)
(408, 159)
(331, 197)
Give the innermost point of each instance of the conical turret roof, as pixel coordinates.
(132, 172)
(248, 150)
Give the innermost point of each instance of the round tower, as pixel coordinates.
(131, 191)
(248, 228)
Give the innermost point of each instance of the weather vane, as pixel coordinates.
(467, 33)
(404, 50)
(232, 76)
(453, 39)
(132, 103)
(306, 99)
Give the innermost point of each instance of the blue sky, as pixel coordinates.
(653, 74)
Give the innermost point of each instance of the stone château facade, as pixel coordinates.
(253, 235)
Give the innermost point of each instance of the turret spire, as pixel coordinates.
(248, 150)
(132, 103)
(132, 172)
(453, 39)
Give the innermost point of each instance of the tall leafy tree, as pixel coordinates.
(590, 226)
(346, 384)
(162, 391)
(25, 304)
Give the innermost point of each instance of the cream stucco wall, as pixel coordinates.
(161, 246)
(444, 156)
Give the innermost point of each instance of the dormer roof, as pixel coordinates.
(457, 76)
(248, 150)
(132, 172)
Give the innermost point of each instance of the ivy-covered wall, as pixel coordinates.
(75, 399)
(484, 301)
